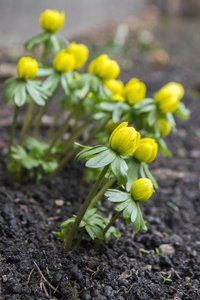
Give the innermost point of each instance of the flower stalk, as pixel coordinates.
(83, 209)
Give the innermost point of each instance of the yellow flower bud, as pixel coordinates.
(164, 127)
(115, 86)
(147, 150)
(141, 190)
(64, 62)
(124, 140)
(27, 68)
(134, 91)
(104, 67)
(80, 53)
(52, 20)
(168, 97)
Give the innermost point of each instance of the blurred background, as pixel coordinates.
(19, 18)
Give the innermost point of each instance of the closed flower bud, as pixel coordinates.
(116, 87)
(80, 53)
(104, 67)
(64, 62)
(134, 91)
(168, 97)
(52, 20)
(27, 68)
(147, 150)
(124, 140)
(164, 127)
(141, 190)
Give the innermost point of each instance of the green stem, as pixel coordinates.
(112, 221)
(42, 112)
(102, 191)
(27, 119)
(13, 129)
(84, 208)
(76, 134)
(80, 237)
(73, 152)
(53, 125)
(62, 129)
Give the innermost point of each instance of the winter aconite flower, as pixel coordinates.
(168, 97)
(51, 20)
(147, 150)
(27, 68)
(164, 127)
(124, 140)
(104, 67)
(141, 190)
(64, 62)
(80, 53)
(116, 88)
(134, 91)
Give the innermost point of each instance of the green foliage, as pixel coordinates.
(130, 209)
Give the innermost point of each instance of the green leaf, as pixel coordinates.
(45, 71)
(64, 84)
(56, 42)
(122, 205)
(130, 212)
(143, 103)
(52, 82)
(152, 117)
(36, 40)
(171, 120)
(101, 159)
(90, 151)
(147, 108)
(119, 109)
(149, 175)
(119, 168)
(142, 173)
(139, 221)
(133, 172)
(116, 196)
(182, 112)
(20, 94)
(10, 90)
(108, 106)
(35, 95)
(163, 148)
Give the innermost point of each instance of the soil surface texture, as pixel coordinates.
(161, 263)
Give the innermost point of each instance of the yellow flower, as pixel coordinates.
(52, 20)
(124, 140)
(80, 52)
(164, 127)
(147, 150)
(134, 91)
(27, 68)
(168, 97)
(64, 62)
(104, 67)
(141, 190)
(116, 87)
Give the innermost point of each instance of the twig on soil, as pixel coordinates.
(45, 280)
(29, 277)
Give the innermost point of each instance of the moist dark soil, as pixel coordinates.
(161, 263)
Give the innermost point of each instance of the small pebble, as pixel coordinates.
(59, 202)
(166, 249)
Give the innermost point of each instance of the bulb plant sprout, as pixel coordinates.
(93, 107)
